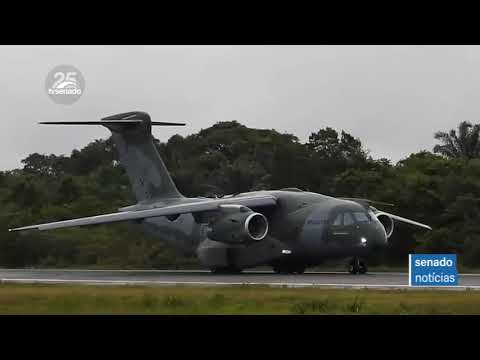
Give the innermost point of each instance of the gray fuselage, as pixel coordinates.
(304, 227)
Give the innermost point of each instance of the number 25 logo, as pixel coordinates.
(65, 80)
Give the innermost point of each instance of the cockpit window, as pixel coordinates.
(338, 220)
(344, 219)
(347, 219)
(361, 217)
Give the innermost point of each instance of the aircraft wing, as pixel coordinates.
(190, 207)
(402, 219)
(408, 221)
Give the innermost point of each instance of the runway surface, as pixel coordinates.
(376, 280)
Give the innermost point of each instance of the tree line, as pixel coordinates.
(439, 187)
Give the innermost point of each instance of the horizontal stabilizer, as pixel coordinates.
(111, 122)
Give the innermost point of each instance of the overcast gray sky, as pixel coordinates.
(391, 97)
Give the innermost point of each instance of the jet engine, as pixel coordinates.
(238, 225)
(387, 223)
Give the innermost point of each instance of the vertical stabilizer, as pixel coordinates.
(134, 142)
(132, 135)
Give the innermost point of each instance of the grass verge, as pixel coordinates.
(82, 299)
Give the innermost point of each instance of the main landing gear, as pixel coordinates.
(355, 266)
(289, 269)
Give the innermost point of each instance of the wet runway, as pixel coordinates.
(376, 280)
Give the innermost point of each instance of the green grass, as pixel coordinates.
(81, 299)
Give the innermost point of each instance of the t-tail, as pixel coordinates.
(132, 135)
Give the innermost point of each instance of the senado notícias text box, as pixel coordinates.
(433, 270)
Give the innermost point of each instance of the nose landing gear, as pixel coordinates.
(355, 266)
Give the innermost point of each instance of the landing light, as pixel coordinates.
(363, 241)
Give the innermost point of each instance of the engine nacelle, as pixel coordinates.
(238, 225)
(387, 223)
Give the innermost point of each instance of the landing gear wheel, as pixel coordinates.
(352, 269)
(280, 270)
(362, 268)
(353, 266)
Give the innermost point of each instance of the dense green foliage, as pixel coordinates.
(440, 190)
(464, 143)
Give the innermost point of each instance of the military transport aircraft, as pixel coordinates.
(288, 229)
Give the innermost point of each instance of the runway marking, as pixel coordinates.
(200, 271)
(208, 283)
(318, 279)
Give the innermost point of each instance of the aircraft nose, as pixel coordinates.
(379, 236)
(372, 236)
